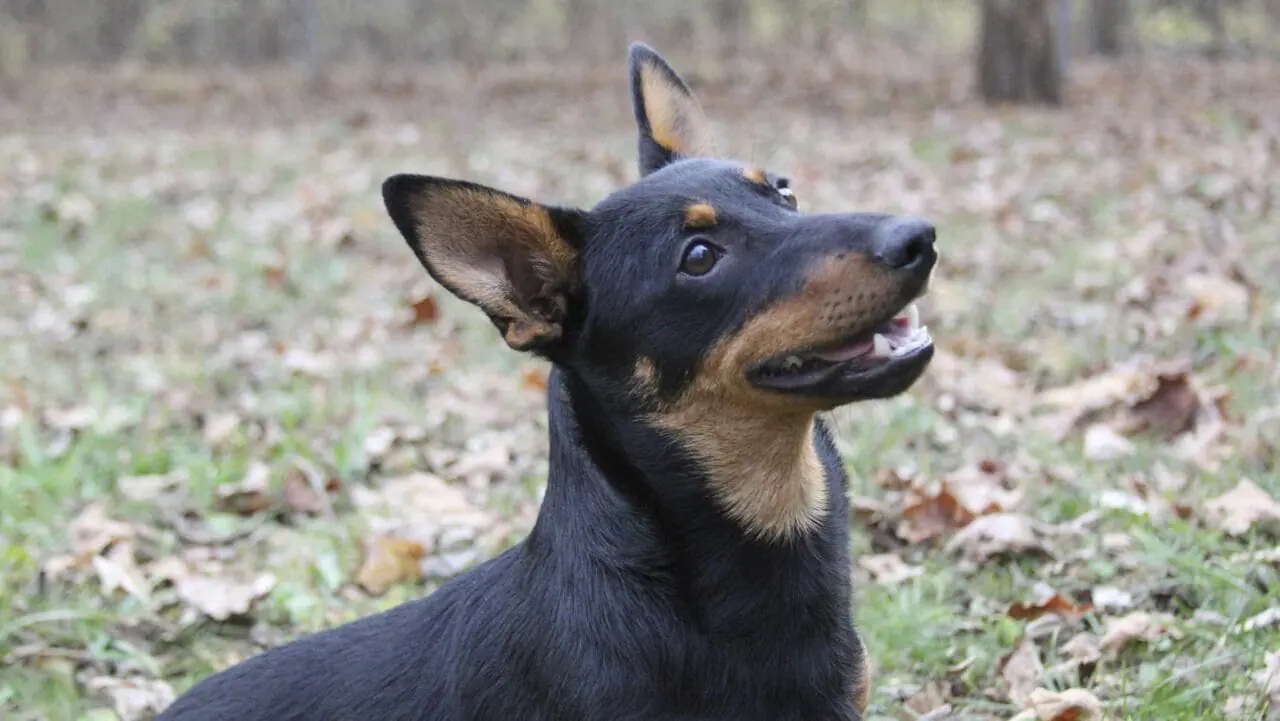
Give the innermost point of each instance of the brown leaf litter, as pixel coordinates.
(1242, 509)
(1074, 704)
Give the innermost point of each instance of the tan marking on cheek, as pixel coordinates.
(755, 175)
(756, 448)
(699, 215)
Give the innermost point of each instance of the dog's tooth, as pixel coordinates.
(913, 317)
(882, 345)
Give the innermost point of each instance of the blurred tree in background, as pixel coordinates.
(1015, 41)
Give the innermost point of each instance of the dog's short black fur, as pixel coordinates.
(690, 560)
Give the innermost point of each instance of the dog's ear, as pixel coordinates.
(670, 120)
(515, 259)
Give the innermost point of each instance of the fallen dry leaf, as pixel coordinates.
(1138, 626)
(1265, 619)
(1021, 670)
(379, 441)
(389, 561)
(1102, 443)
(1267, 679)
(533, 379)
(118, 569)
(980, 489)
(1075, 704)
(1215, 299)
(1082, 649)
(1170, 409)
(925, 517)
(249, 496)
(134, 698)
(1057, 604)
(888, 568)
(93, 531)
(930, 698)
(219, 427)
(425, 311)
(300, 495)
(1242, 508)
(1114, 600)
(996, 535)
(221, 597)
(147, 487)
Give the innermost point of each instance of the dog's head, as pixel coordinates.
(702, 290)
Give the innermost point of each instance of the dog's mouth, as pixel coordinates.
(879, 363)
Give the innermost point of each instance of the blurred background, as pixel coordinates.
(322, 34)
(234, 409)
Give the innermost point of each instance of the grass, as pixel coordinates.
(190, 300)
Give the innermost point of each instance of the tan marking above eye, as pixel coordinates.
(699, 215)
(755, 175)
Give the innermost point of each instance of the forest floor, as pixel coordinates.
(234, 409)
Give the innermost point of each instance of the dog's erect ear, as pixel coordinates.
(515, 259)
(671, 121)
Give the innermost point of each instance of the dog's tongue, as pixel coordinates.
(848, 352)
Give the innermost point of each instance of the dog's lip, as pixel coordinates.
(897, 340)
(894, 331)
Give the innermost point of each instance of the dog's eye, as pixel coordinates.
(699, 258)
(783, 186)
(788, 196)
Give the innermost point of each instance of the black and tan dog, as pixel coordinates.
(690, 559)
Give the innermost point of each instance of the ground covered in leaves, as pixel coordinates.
(234, 410)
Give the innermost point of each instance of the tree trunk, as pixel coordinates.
(1215, 17)
(1018, 58)
(1108, 26)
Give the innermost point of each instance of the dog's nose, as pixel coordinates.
(904, 243)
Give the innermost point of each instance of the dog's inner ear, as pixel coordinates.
(515, 259)
(671, 122)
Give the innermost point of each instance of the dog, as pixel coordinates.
(690, 559)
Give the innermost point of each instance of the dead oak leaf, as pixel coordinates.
(1169, 410)
(221, 597)
(929, 699)
(117, 569)
(1074, 704)
(1242, 508)
(1021, 670)
(1138, 626)
(998, 534)
(91, 533)
(1082, 649)
(1055, 604)
(888, 568)
(980, 489)
(250, 496)
(1267, 679)
(134, 698)
(926, 516)
(388, 561)
(533, 379)
(425, 311)
(1266, 619)
(301, 495)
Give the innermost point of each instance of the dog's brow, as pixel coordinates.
(755, 175)
(699, 215)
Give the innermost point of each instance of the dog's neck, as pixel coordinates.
(619, 491)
